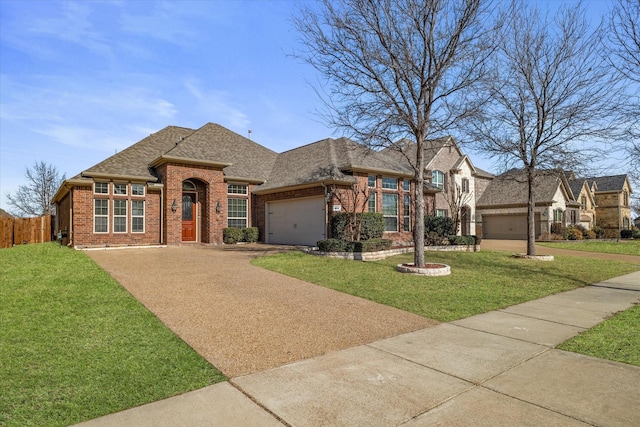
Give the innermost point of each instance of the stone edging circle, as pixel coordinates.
(431, 270)
(534, 257)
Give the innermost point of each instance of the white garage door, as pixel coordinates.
(296, 222)
(507, 227)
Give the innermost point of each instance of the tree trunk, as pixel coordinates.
(418, 196)
(531, 225)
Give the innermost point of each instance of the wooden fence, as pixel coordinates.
(18, 231)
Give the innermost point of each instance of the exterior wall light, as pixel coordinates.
(174, 206)
(218, 207)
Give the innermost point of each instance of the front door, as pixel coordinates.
(188, 217)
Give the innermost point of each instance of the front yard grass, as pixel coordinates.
(75, 345)
(615, 339)
(624, 247)
(479, 282)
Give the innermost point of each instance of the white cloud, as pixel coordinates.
(217, 106)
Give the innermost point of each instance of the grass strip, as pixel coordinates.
(615, 339)
(624, 247)
(75, 345)
(479, 282)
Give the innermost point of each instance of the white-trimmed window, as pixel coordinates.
(371, 181)
(406, 226)
(389, 183)
(437, 179)
(406, 185)
(465, 185)
(558, 215)
(372, 202)
(120, 189)
(137, 216)
(119, 216)
(101, 188)
(137, 189)
(441, 212)
(101, 216)
(390, 211)
(236, 189)
(236, 213)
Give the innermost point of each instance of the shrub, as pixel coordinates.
(573, 233)
(636, 234)
(231, 235)
(372, 225)
(610, 234)
(333, 245)
(590, 234)
(250, 234)
(441, 225)
(557, 228)
(599, 232)
(462, 240)
(434, 239)
(626, 234)
(371, 245)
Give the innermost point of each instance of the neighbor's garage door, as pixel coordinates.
(507, 227)
(296, 222)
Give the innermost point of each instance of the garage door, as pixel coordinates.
(507, 227)
(296, 222)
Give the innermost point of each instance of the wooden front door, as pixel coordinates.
(188, 217)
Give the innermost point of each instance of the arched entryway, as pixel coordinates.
(194, 213)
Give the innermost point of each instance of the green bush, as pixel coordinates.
(232, 235)
(462, 240)
(636, 234)
(333, 245)
(371, 245)
(558, 228)
(372, 225)
(599, 232)
(573, 233)
(441, 225)
(250, 234)
(626, 234)
(590, 234)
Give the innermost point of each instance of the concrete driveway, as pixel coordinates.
(245, 319)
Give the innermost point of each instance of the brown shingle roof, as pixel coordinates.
(608, 183)
(510, 188)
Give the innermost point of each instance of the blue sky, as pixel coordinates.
(82, 79)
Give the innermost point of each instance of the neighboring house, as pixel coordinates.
(5, 214)
(451, 171)
(183, 185)
(613, 198)
(584, 194)
(502, 209)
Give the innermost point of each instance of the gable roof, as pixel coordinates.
(608, 183)
(403, 150)
(576, 186)
(510, 189)
(327, 161)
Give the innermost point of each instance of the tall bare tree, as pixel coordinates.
(550, 92)
(34, 198)
(397, 69)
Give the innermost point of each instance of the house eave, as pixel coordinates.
(382, 171)
(244, 179)
(116, 177)
(66, 186)
(512, 205)
(187, 161)
(304, 186)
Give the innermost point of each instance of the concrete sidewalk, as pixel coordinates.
(493, 369)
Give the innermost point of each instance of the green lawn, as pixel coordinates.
(480, 282)
(75, 345)
(624, 247)
(616, 339)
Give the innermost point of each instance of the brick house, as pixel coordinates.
(182, 185)
(502, 209)
(613, 202)
(448, 169)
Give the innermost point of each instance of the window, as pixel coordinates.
(406, 226)
(101, 188)
(119, 216)
(137, 189)
(626, 223)
(574, 216)
(441, 212)
(625, 198)
(372, 202)
(137, 216)
(583, 202)
(389, 183)
(557, 215)
(372, 181)
(465, 185)
(236, 189)
(237, 213)
(101, 216)
(390, 211)
(189, 186)
(437, 179)
(406, 185)
(120, 189)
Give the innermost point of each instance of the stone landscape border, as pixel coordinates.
(375, 256)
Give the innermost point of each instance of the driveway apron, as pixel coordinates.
(245, 319)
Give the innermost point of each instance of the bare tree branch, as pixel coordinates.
(34, 198)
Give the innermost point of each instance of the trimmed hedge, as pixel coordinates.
(372, 225)
(462, 240)
(231, 235)
(626, 234)
(340, 245)
(441, 226)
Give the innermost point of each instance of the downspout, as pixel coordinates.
(326, 212)
(162, 215)
(70, 244)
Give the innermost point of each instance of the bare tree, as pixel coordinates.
(457, 199)
(34, 198)
(355, 201)
(396, 69)
(550, 92)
